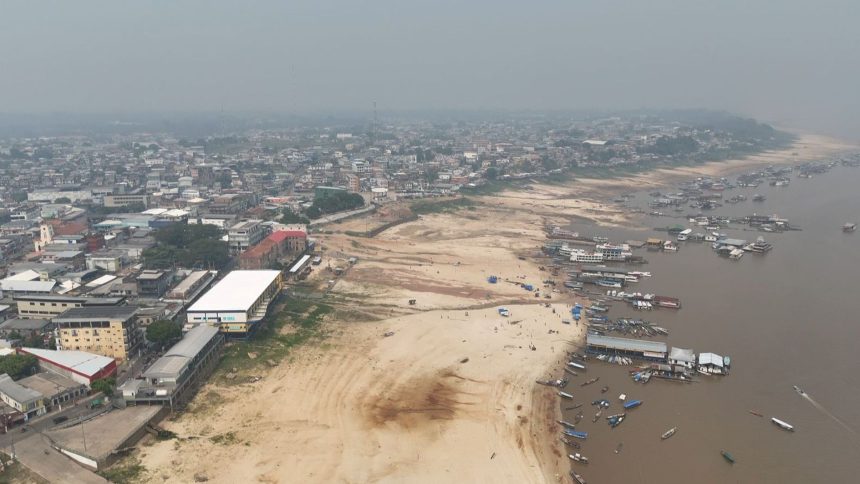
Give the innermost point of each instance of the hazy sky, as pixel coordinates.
(789, 61)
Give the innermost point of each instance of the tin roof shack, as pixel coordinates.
(29, 402)
(56, 389)
(682, 356)
(172, 379)
(79, 366)
(713, 364)
(633, 348)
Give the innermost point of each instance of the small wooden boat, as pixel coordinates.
(597, 416)
(570, 372)
(618, 449)
(669, 433)
(565, 395)
(782, 424)
(569, 442)
(577, 457)
(604, 389)
(576, 433)
(567, 424)
(577, 478)
(576, 365)
(632, 404)
(728, 457)
(755, 413)
(589, 382)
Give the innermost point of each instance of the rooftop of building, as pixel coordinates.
(97, 313)
(20, 324)
(237, 291)
(80, 362)
(626, 344)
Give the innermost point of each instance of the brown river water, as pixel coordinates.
(788, 317)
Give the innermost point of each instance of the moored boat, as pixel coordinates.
(782, 424)
(576, 477)
(727, 456)
(669, 433)
(576, 433)
(569, 442)
(565, 395)
(566, 424)
(632, 404)
(577, 457)
(849, 227)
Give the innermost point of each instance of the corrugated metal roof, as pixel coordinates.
(178, 357)
(193, 341)
(16, 392)
(626, 344)
(27, 286)
(236, 292)
(79, 361)
(682, 354)
(710, 359)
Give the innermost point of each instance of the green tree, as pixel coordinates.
(492, 173)
(18, 365)
(208, 252)
(226, 179)
(19, 196)
(291, 217)
(104, 385)
(163, 331)
(63, 200)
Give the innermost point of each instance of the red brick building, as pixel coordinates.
(265, 254)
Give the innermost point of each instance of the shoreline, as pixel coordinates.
(451, 391)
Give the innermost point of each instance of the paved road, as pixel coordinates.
(35, 453)
(34, 426)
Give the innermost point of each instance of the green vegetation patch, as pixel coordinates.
(424, 207)
(296, 322)
(127, 471)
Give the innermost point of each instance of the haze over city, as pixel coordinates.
(789, 63)
(423, 241)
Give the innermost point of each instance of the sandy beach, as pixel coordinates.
(450, 394)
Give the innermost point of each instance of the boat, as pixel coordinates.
(576, 365)
(609, 283)
(669, 433)
(576, 477)
(849, 227)
(615, 422)
(569, 442)
(604, 389)
(632, 404)
(728, 457)
(755, 413)
(782, 424)
(589, 382)
(565, 395)
(570, 372)
(799, 391)
(603, 403)
(567, 424)
(578, 458)
(758, 198)
(576, 433)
